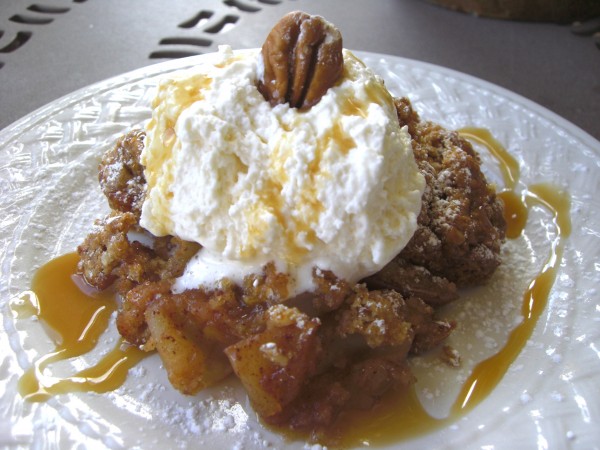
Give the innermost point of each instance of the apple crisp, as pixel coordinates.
(306, 360)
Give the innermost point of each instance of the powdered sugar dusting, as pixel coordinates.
(220, 414)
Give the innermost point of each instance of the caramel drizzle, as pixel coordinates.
(400, 416)
(489, 372)
(76, 320)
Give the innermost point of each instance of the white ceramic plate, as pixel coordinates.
(548, 399)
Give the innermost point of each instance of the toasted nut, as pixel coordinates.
(302, 58)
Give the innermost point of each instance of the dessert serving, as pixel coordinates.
(284, 218)
(267, 274)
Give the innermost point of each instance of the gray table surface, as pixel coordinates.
(50, 48)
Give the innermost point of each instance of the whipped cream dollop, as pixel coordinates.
(335, 187)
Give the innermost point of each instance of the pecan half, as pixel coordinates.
(302, 58)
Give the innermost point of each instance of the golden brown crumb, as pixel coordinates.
(413, 280)
(450, 356)
(110, 253)
(121, 174)
(378, 316)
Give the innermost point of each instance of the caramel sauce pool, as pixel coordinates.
(78, 320)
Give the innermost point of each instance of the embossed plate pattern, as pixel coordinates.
(49, 198)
